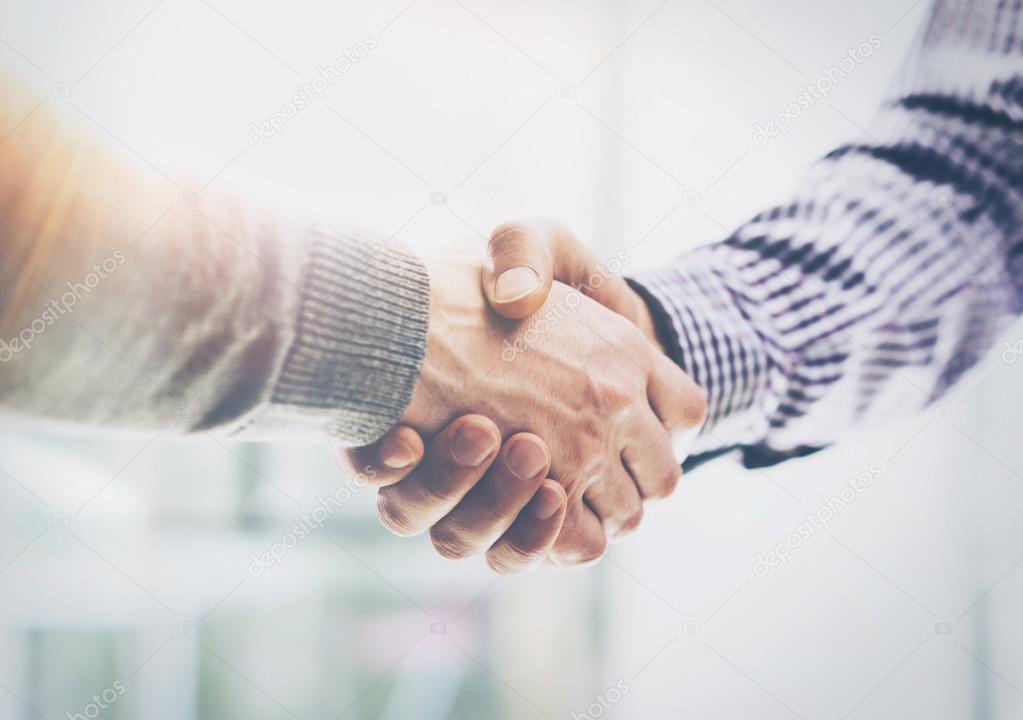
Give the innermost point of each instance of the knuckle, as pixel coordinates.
(449, 543)
(503, 233)
(438, 488)
(607, 394)
(513, 559)
(521, 244)
(444, 483)
(667, 485)
(626, 524)
(347, 460)
(393, 516)
(577, 477)
(509, 239)
(591, 551)
(572, 549)
(620, 396)
(495, 512)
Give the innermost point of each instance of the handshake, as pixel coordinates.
(548, 402)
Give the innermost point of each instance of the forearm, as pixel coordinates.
(890, 273)
(124, 308)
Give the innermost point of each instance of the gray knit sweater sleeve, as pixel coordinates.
(200, 325)
(353, 355)
(128, 304)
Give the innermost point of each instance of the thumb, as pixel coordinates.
(524, 258)
(520, 267)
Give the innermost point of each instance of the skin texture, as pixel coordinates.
(605, 405)
(553, 253)
(514, 520)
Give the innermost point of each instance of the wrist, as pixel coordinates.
(456, 343)
(357, 342)
(653, 320)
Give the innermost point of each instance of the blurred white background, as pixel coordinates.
(125, 563)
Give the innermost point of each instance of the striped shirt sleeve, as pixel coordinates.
(890, 273)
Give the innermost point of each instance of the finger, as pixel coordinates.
(455, 461)
(524, 258)
(650, 459)
(519, 269)
(616, 501)
(532, 535)
(492, 505)
(385, 462)
(582, 540)
(678, 401)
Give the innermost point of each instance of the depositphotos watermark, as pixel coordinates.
(819, 519)
(1012, 351)
(100, 702)
(551, 315)
(309, 92)
(308, 522)
(604, 702)
(58, 307)
(819, 89)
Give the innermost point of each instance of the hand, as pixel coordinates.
(525, 258)
(601, 404)
(504, 506)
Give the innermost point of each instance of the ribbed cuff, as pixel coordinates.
(359, 340)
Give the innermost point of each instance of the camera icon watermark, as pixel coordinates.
(187, 198)
(941, 198)
(186, 628)
(438, 628)
(61, 521)
(188, 413)
(943, 412)
(692, 628)
(60, 90)
(692, 198)
(943, 628)
(564, 91)
(438, 198)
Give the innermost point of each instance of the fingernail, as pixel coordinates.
(515, 283)
(472, 445)
(526, 459)
(546, 503)
(395, 453)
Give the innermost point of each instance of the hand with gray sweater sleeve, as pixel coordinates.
(126, 309)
